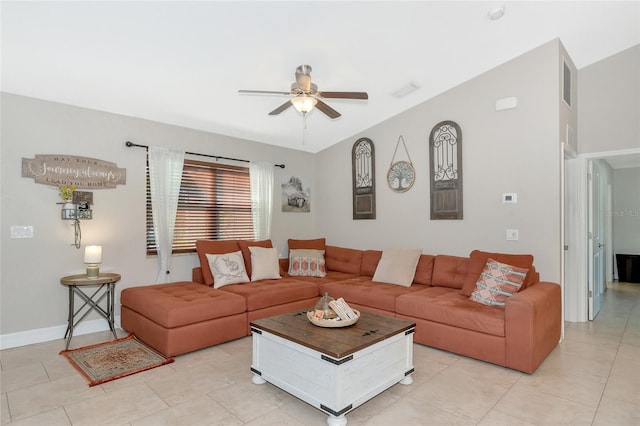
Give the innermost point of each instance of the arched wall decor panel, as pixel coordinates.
(445, 148)
(364, 179)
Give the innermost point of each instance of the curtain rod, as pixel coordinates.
(217, 157)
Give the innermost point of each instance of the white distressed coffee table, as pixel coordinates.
(333, 369)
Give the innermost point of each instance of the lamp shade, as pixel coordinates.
(93, 254)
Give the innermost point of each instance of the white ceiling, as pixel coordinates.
(183, 63)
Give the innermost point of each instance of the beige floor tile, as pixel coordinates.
(198, 411)
(466, 388)
(409, 411)
(58, 368)
(56, 417)
(303, 412)
(5, 415)
(584, 390)
(21, 377)
(180, 386)
(574, 348)
(627, 351)
(632, 336)
(612, 412)
(263, 399)
(30, 354)
(497, 418)
(624, 381)
(277, 418)
(158, 373)
(539, 408)
(560, 363)
(115, 408)
(27, 402)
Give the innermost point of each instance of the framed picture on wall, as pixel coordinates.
(296, 194)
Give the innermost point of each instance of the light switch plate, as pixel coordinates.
(18, 231)
(512, 235)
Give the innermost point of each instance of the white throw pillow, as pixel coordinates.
(227, 269)
(264, 263)
(397, 266)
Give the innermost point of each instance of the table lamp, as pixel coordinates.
(93, 256)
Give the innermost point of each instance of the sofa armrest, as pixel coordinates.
(533, 322)
(196, 275)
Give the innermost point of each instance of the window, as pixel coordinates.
(214, 204)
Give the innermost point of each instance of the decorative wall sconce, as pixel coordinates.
(76, 209)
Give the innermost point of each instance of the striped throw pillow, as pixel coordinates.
(498, 281)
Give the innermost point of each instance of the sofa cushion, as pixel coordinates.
(307, 263)
(370, 260)
(266, 293)
(498, 281)
(264, 263)
(213, 247)
(424, 270)
(365, 292)
(181, 303)
(343, 259)
(244, 246)
(316, 244)
(447, 306)
(478, 259)
(449, 271)
(227, 268)
(397, 266)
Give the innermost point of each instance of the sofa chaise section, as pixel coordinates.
(182, 317)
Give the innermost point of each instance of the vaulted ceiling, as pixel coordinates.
(183, 63)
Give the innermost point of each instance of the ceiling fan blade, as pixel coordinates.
(263, 92)
(344, 95)
(281, 108)
(330, 112)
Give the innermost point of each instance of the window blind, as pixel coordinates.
(214, 204)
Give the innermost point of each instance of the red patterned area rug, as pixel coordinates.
(112, 360)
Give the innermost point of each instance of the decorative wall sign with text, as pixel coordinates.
(66, 170)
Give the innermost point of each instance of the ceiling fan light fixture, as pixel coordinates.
(304, 104)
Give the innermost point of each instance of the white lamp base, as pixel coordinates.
(93, 271)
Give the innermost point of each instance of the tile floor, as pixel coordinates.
(591, 378)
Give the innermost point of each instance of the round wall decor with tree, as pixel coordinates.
(401, 174)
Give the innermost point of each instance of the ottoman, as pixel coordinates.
(181, 317)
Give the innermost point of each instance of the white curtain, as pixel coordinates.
(165, 175)
(261, 175)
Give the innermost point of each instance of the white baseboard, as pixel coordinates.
(29, 337)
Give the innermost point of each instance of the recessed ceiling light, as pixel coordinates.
(495, 14)
(405, 90)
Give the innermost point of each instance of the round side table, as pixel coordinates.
(105, 283)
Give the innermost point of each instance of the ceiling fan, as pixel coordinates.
(304, 95)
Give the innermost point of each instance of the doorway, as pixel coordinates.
(579, 275)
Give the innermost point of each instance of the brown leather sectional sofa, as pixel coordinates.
(181, 317)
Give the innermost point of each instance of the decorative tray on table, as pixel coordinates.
(333, 322)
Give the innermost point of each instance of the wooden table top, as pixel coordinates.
(335, 342)
(81, 279)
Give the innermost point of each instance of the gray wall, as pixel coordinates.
(626, 211)
(609, 103)
(516, 150)
(32, 298)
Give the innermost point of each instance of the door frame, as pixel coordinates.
(575, 285)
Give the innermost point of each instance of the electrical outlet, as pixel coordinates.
(512, 235)
(18, 231)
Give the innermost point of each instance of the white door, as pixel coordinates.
(596, 179)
